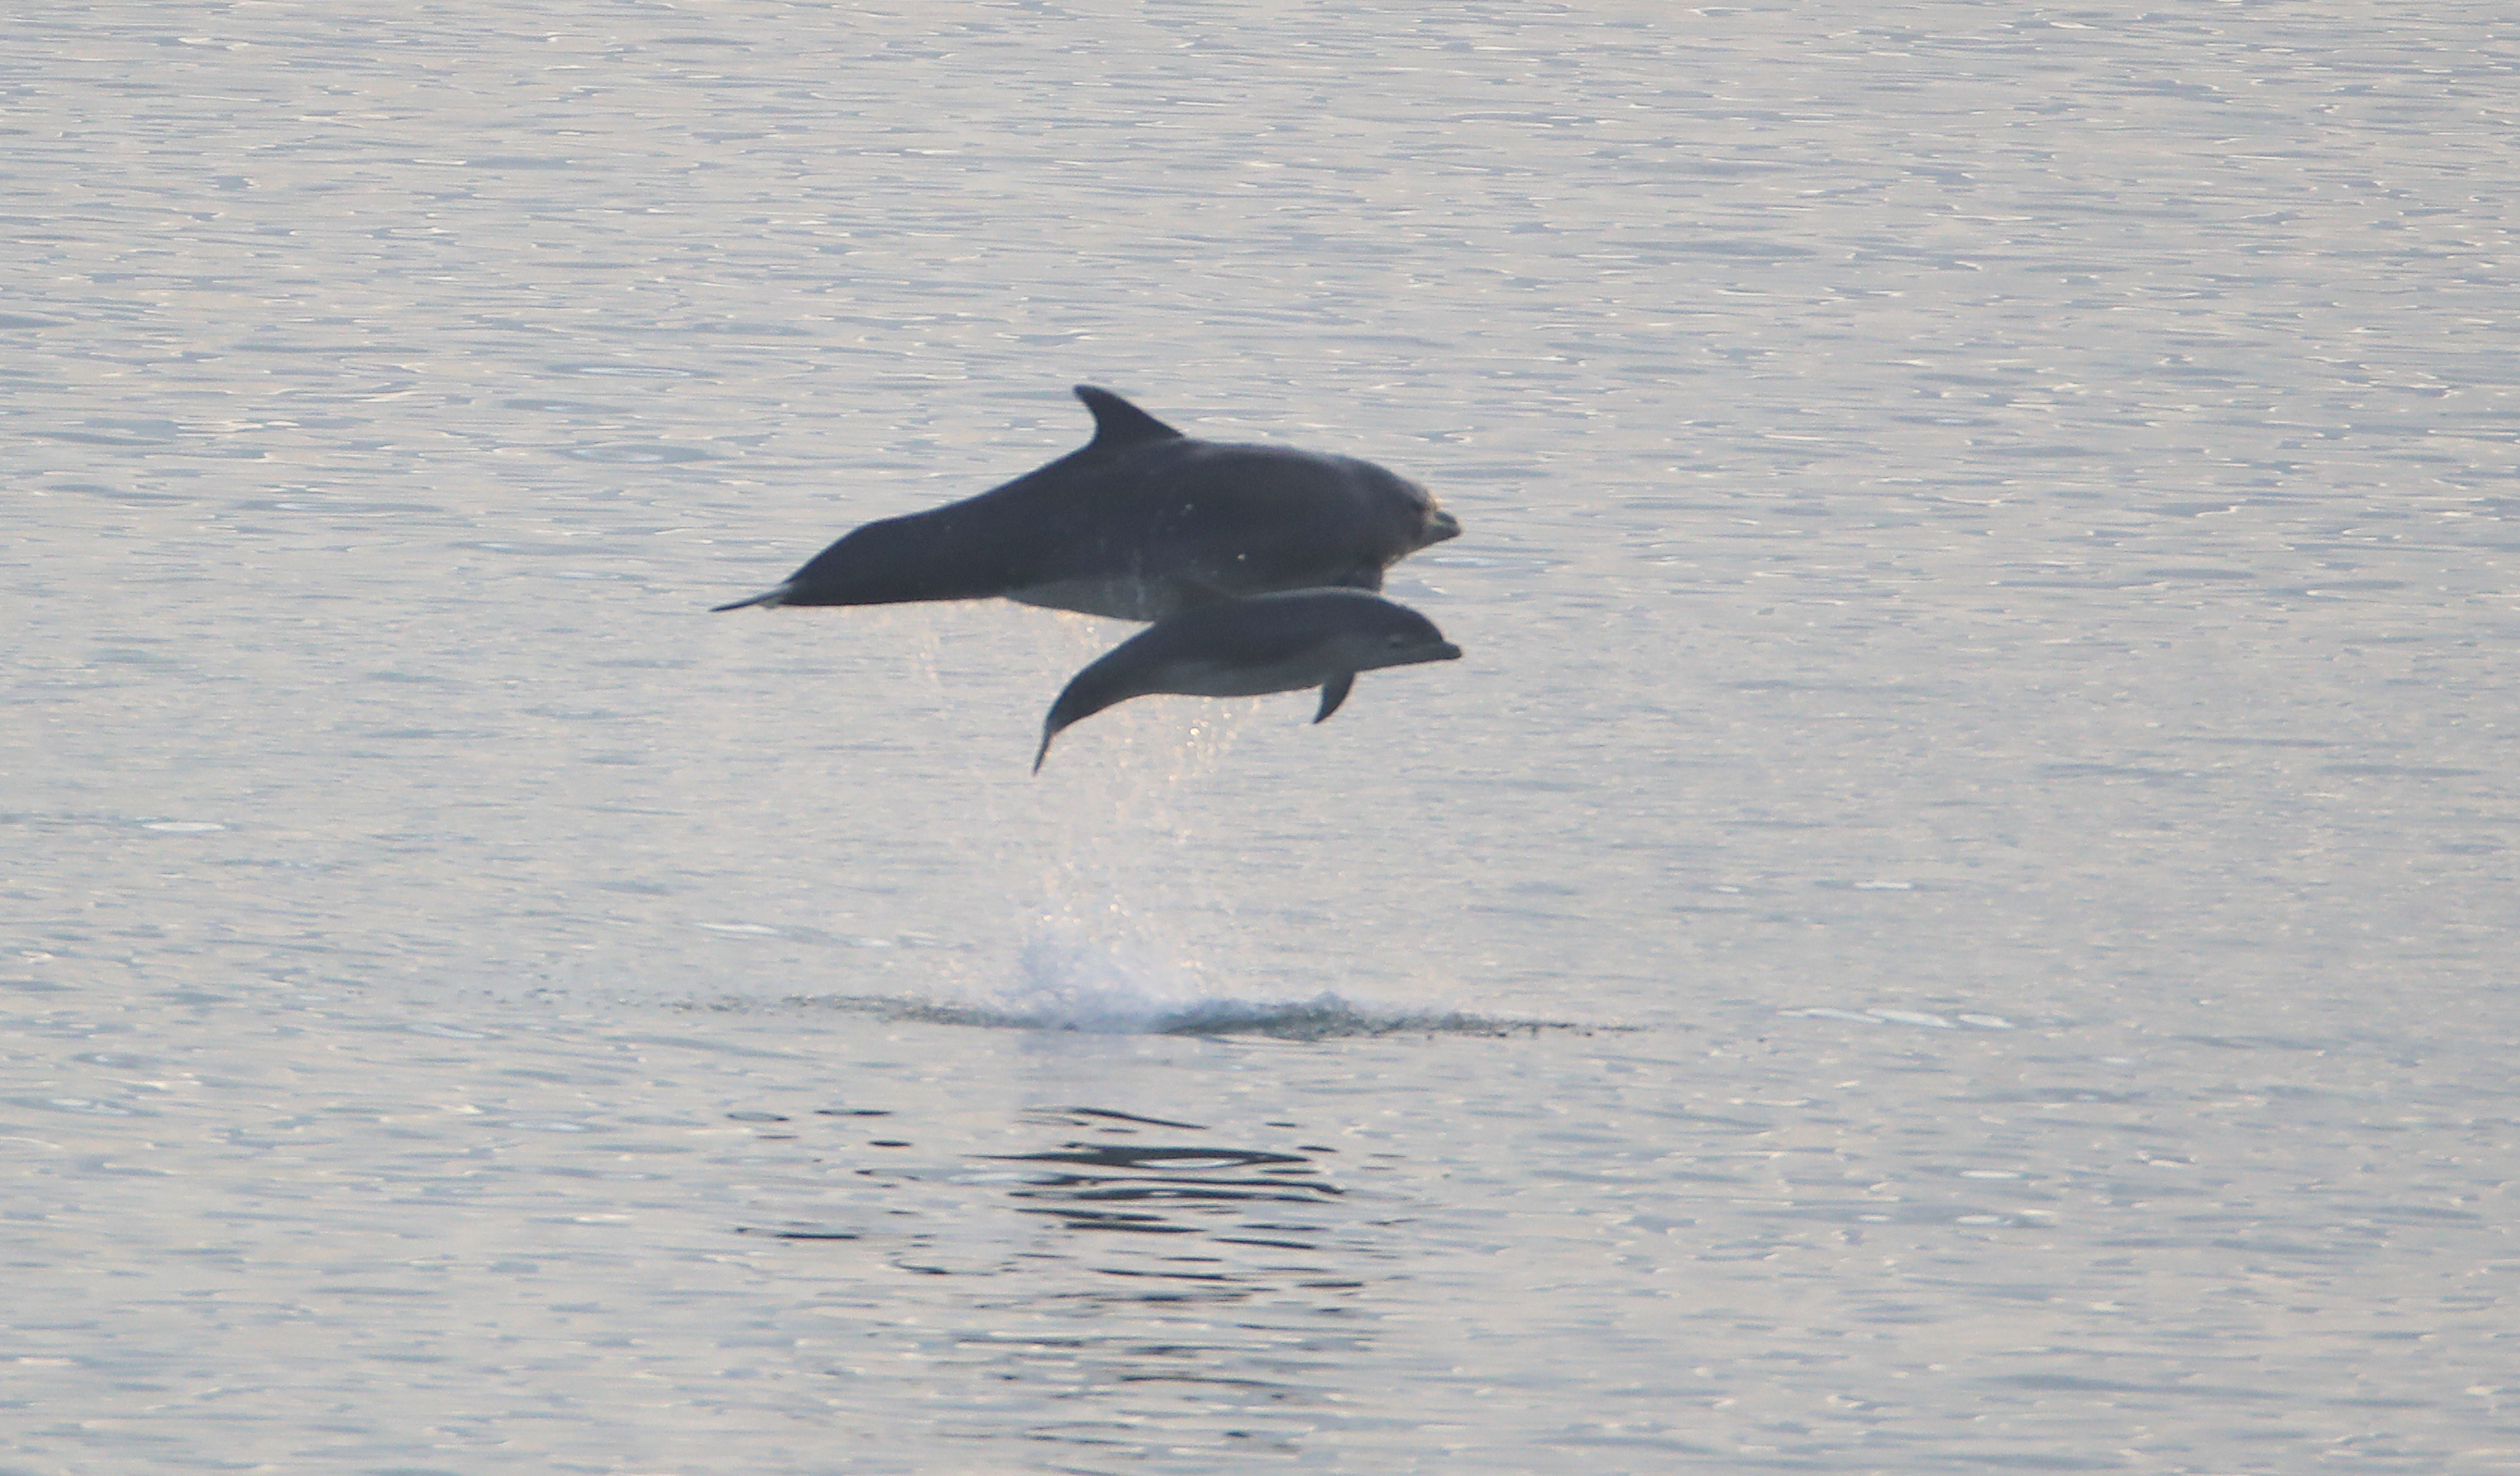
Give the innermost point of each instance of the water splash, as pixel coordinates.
(1070, 981)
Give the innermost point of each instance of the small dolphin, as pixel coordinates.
(1248, 647)
(1142, 523)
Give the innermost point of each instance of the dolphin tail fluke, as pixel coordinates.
(1048, 733)
(778, 596)
(1334, 692)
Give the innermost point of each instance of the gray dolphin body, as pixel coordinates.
(1142, 523)
(1248, 647)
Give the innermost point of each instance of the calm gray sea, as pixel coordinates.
(1958, 916)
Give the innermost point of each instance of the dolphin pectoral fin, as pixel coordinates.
(1119, 423)
(1334, 692)
(1086, 693)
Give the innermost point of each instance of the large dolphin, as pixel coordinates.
(1247, 647)
(1142, 523)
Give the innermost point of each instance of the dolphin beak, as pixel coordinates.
(1447, 652)
(1440, 525)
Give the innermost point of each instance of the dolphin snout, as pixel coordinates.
(1440, 525)
(1447, 652)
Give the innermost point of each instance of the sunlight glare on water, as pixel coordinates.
(1953, 916)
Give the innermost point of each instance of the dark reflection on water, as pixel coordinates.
(1228, 1196)
(1094, 1312)
(1224, 1195)
(1114, 1116)
(1166, 1191)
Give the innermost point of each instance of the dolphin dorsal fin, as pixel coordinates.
(1119, 423)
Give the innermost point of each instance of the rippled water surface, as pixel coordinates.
(1956, 915)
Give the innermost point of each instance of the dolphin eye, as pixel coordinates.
(1395, 640)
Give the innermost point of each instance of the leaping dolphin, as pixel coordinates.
(1142, 523)
(1248, 647)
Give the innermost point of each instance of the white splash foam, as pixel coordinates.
(1065, 980)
